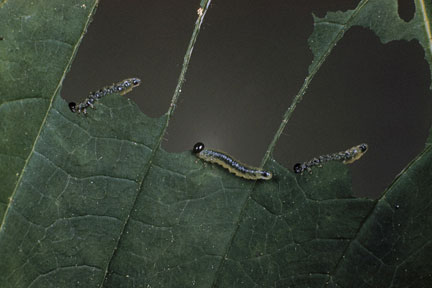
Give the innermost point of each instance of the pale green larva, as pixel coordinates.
(231, 164)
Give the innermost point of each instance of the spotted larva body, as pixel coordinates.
(121, 87)
(347, 157)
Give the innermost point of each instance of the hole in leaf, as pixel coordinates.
(406, 9)
(376, 97)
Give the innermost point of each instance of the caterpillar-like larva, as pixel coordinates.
(347, 157)
(121, 87)
(230, 163)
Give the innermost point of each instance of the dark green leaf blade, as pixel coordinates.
(294, 230)
(101, 205)
(93, 214)
(75, 196)
(184, 217)
(393, 248)
(39, 41)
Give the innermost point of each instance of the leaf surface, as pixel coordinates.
(39, 42)
(95, 202)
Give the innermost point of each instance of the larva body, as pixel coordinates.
(231, 164)
(121, 87)
(347, 157)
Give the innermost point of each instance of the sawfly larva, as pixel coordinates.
(121, 87)
(231, 164)
(347, 157)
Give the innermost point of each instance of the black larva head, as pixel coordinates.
(136, 82)
(298, 168)
(363, 147)
(266, 175)
(198, 147)
(72, 106)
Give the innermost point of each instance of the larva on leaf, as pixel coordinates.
(231, 164)
(347, 157)
(121, 87)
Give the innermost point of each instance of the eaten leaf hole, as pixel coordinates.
(406, 9)
(376, 97)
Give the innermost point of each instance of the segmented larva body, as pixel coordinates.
(121, 87)
(347, 157)
(229, 163)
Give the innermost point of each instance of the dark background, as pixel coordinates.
(250, 60)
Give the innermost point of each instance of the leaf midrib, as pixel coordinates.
(168, 115)
(427, 25)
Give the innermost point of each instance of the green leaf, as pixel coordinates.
(40, 40)
(393, 246)
(95, 202)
